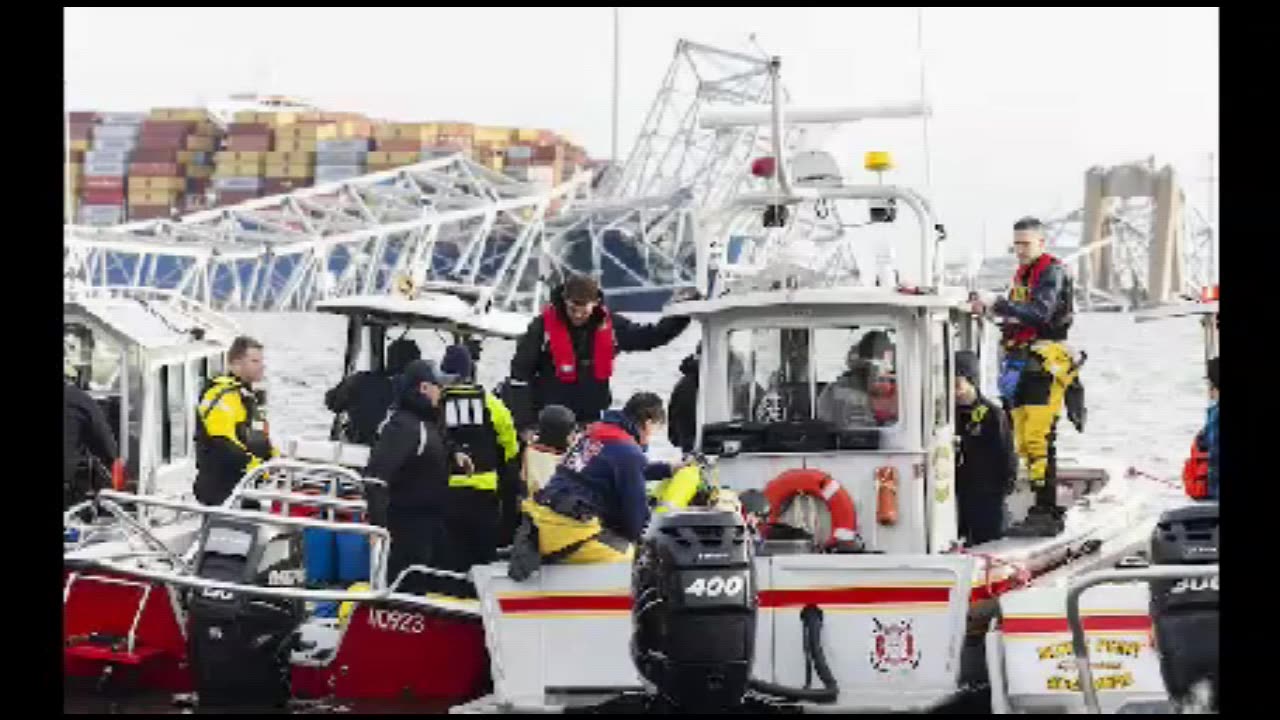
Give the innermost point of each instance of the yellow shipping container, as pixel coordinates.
(354, 129)
(153, 197)
(458, 129)
(492, 134)
(200, 143)
(276, 119)
(80, 145)
(238, 170)
(75, 169)
(294, 172)
(378, 157)
(327, 131)
(296, 145)
(137, 183)
(246, 116)
(406, 131)
(527, 135)
(497, 162)
(199, 115)
(290, 158)
(199, 171)
(379, 167)
(243, 156)
(402, 158)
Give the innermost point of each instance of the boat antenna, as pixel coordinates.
(616, 77)
(924, 118)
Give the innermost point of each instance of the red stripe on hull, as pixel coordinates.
(1092, 623)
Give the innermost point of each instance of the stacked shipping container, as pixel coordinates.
(178, 160)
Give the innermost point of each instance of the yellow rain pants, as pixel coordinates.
(1037, 403)
(557, 532)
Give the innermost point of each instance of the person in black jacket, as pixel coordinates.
(366, 396)
(986, 465)
(86, 437)
(682, 408)
(410, 455)
(566, 357)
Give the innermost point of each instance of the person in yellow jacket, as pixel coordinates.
(482, 502)
(231, 435)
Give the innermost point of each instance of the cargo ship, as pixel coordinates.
(132, 166)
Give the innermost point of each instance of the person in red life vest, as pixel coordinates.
(1037, 368)
(566, 357)
(1200, 472)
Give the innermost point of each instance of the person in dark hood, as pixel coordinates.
(682, 409)
(365, 397)
(566, 357)
(411, 457)
(986, 465)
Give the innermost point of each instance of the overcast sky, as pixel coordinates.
(1024, 99)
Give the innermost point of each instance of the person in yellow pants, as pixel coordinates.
(595, 506)
(1037, 369)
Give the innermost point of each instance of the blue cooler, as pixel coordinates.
(353, 557)
(319, 551)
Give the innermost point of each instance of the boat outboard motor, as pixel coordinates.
(239, 644)
(1185, 611)
(694, 609)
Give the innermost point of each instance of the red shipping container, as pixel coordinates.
(167, 127)
(249, 129)
(103, 182)
(76, 155)
(81, 131)
(249, 143)
(99, 196)
(229, 197)
(149, 169)
(546, 153)
(162, 142)
(82, 116)
(277, 186)
(155, 155)
(401, 145)
(149, 212)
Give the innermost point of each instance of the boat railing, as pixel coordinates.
(181, 574)
(288, 482)
(1102, 577)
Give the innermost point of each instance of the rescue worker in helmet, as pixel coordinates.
(231, 424)
(1037, 368)
(567, 355)
(986, 465)
(482, 502)
(411, 457)
(364, 397)
(87, 439)
(595, 506)
(557, 431)
(864, 395)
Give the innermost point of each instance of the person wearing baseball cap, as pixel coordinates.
(411, 457)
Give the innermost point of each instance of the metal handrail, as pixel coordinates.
(378, 550)
(1101, 577)
(106, 500)
(191, 581)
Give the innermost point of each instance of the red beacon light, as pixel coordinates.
(764, 167)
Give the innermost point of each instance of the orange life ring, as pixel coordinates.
(844, 517)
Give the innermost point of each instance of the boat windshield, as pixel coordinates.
(845, 375)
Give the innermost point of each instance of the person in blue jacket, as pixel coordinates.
(595, 506)
(1211, 429)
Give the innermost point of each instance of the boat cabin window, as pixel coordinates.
(173, 413)
(940, 368)
(845, 375)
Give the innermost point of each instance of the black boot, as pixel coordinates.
(1041, 521)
